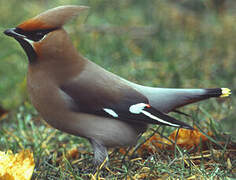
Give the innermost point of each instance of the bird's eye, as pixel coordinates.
(37, 36)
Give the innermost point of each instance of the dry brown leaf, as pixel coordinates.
(3, 113)
(72, 154)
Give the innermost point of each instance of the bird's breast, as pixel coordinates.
(56, 107)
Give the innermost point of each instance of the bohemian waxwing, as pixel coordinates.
(79, 97)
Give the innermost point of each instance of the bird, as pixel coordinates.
(79, 97)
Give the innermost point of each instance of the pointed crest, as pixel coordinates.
(53, 18)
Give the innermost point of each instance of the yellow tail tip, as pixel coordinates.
(225, 92)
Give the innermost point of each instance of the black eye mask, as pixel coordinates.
(36, 35)
(22, 36)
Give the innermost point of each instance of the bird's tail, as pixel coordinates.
(217, 92)
(168, 99)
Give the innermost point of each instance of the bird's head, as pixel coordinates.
(44, 32)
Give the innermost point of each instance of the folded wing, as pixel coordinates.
(118, 101)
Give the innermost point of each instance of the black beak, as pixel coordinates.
(12, 32)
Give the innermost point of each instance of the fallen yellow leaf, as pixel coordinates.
(19, 166)
(186, 139)
(189, 138)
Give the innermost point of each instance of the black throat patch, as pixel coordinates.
(29, 50)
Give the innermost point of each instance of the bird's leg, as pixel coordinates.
(100, 154)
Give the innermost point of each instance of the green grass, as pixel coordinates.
(154, 43)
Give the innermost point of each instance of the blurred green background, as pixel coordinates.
(187, 44)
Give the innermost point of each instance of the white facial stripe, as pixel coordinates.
(19, 35)
(111, 112)
(29, 41)
(137, 108)
(32, 42)
(158, 119)
(43, 37)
